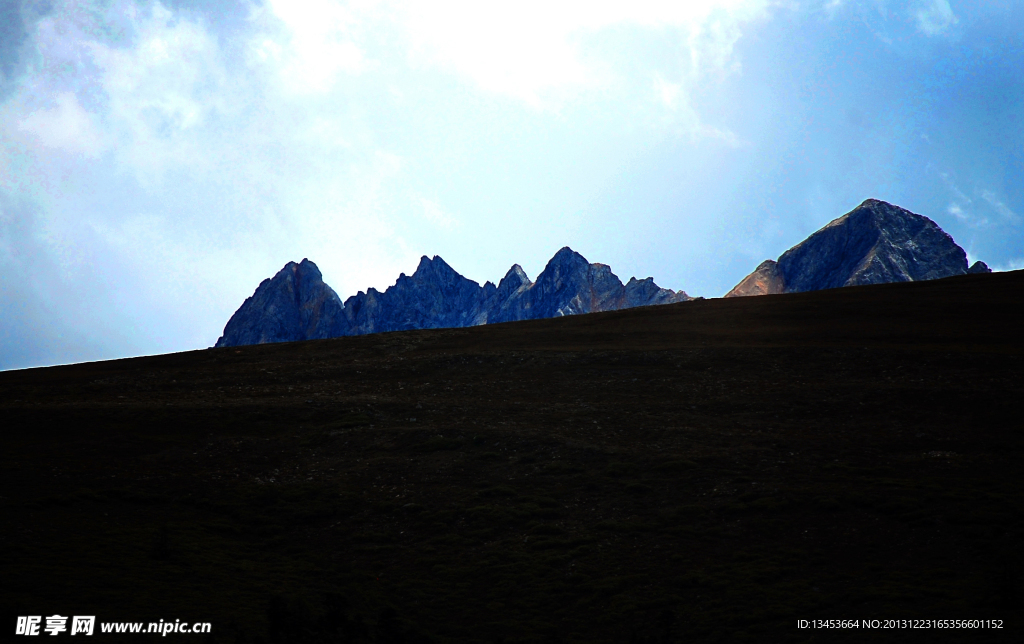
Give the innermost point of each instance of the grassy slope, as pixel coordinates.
(705, 471)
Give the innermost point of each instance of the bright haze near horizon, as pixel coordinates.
(159, 159)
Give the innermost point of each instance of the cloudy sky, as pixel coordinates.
(159, 159)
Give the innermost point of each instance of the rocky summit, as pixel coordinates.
(874, 243)
(569, 285)
(297, 305)
(293, 305)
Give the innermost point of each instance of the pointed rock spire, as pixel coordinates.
(293, 305)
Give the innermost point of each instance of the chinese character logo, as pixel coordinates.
(55, 624)
(83, 624)
(28, 625)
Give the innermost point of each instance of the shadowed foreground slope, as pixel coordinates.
(704, 471)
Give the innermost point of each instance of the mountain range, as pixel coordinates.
(874, 243)
(296, 304)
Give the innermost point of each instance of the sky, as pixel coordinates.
(159, 159)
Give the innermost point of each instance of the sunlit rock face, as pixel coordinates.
(293, 305)
(297, 305)
(875, 243)
(765, 280)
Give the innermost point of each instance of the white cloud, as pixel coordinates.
(1014, 264)
(436, 215)
(684, 118)
(311, 42)
(832, 7)
(66, 126)
(962, 206)
(997, 204)
(946, 179)
(957, 211)
(517, 50)
(935, 17)
(671, 94)
(965, 214)
(536, 51)
(162, 91)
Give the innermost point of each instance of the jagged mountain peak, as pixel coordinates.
(436, 296)
(874, 243)
(516, 270)
(514, 278)
(433, 266)
(646, 293)
(295, 304)
(307, 270)
(567, 257)
(566, 268)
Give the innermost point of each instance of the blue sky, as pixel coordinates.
(158, 160)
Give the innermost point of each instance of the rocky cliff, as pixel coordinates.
(293, 305)
(296, 305)
(435, 296)
(874, 243)
(569, 285)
